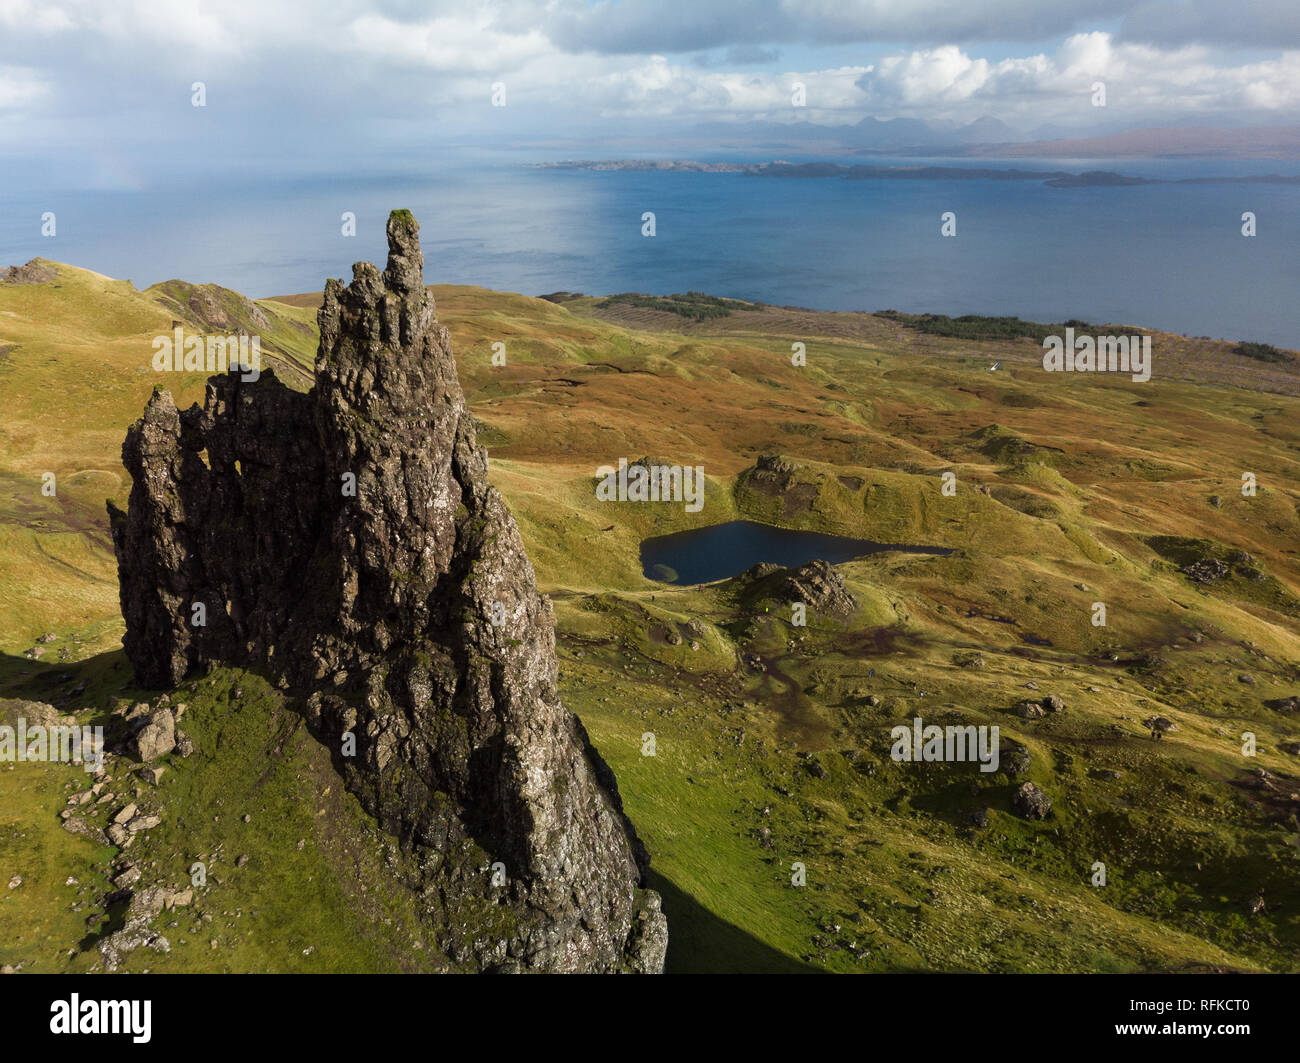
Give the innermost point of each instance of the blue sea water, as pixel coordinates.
(1165, 256)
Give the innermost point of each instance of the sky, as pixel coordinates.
(103, 94)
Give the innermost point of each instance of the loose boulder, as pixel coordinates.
(1031, 803)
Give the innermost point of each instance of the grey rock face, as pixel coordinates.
(1205, 571)
(156, 738)
(347, 544)
(1033, 710)
(1030, 802)
(817, 584)
(775, 464)
(1029, 710)
(1014, 760)
(35, 272)
(136, 932)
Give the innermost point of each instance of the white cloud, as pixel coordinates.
(1142, 83)
(19, 87)
(18, 16)
(940, 75)
(466, 42)
(657, 87)
(950, 20)
(568, 63)
(1140, 80)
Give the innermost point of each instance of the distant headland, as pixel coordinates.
(783, 168)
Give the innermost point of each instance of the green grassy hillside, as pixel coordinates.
(1070, 490)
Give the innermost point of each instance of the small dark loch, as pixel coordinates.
(721, 551)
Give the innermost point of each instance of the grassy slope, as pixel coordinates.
(76, 369)
(312, 893)
(1063, 482)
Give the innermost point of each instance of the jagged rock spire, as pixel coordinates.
(403, 612)
(405, 272)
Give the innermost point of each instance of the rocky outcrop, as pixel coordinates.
(817, 584)
(37, 271)
(776, 484)
(776, 467)
(1030, 802)
(1207, 570)
(156, 736)
(1014, 759)
(1033, 710)
(1029, 710)
(346, 542)
(136, 933)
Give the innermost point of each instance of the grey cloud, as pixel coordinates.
(1268, 24)
(638, 27)
(671, 26)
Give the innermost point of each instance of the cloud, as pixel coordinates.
(20, 88)
(1255, 24)
(624, 27)
(1143, 83)
(387, 73)
(17, 16)
(629, 27)
(927, 78)
(1140, 80)
(183, 25)
(469, 41)
(948, 20)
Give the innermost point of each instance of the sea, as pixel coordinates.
(1165, 256)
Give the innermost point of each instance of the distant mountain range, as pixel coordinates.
(1257, 142)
